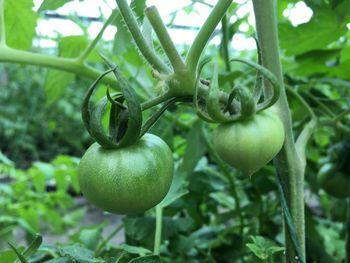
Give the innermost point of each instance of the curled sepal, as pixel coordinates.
(200, 112)
(247, 102)
(96, 126)
(130, 119)
(153, 119)
(86, 105)
(215, 111)
(276, 87)
(213, 100)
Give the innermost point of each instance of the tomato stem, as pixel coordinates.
(288, 162)
(92, 45)
(164, 38)
(104, 242)
(2, 25)
(205, 33)
(158, 232)
(139, 39)
(347, 231)
(11, 55)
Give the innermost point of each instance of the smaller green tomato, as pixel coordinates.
(250, 144)
(127, 180)
(334, 182)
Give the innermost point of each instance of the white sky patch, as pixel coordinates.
(298, 14)
(51, 28)
(240, 42)
(348, 26)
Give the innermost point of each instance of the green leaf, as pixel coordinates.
(263, 248)
(20, 23)
(134, 249)
(19, 254)
(146, 259)
(33, 246)
(89, 236)
(122, 38)
(8, 256)
(196, 147)
(323, 29)
(178, 189)
(223, 199)
(52, 4)
(78, 253)
(56, 80)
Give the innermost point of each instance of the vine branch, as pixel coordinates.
(288, 162)
(2, 25)
(164, 38)
(66, 64)
(92, 44)
(139, 39)
(205, 33)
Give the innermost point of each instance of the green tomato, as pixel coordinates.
(333, 181)
(127, 180)
(250, 144)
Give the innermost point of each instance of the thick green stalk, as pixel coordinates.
(92, 45)
(164, 38)
(205, 33)
(288, 163)
(158, 232)
(66, 64)
(347, 232)
(2, 25)
(140, 41)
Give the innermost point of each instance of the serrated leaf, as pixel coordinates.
(321, 30)
(78, 253)
(52, 4)
(20, 23)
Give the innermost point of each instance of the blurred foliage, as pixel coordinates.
(212, 212)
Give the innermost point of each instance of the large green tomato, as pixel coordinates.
(127, 180)
(333, 181)
(250, 144)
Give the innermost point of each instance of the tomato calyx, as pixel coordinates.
(241, 103)
(125, 114)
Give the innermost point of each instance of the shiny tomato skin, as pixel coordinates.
(250, 144)
(127, 180)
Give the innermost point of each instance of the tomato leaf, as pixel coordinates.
(20, 23)
(52, 4)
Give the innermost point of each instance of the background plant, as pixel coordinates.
(218, 209)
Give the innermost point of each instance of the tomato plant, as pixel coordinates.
(127, 180)
(250, 144)
(210, 210)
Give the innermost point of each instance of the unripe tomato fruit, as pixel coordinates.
(249, 144)
(127, 180)
(333, 181)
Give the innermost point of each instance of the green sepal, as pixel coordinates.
(276, 86)
(87, 105)
(247, 102)
(130, 118)
(201, 113)
(97, 130)
(153, 119)
(213, 99)
(116, 101)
